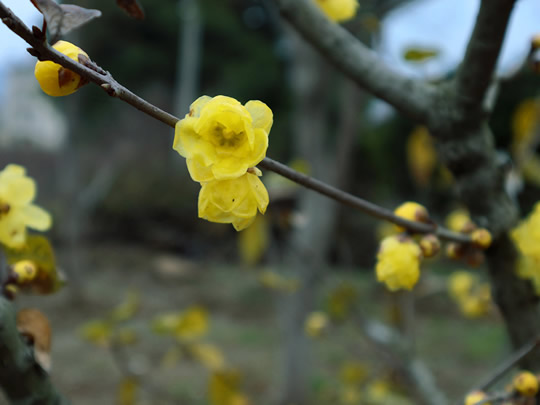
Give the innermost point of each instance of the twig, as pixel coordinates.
(21, 378)
(95, 74)
(393, 347)
(361, 64)
(507, 365)
(476, 72)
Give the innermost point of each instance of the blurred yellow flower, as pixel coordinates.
(475, 397)
(459, 221)
(398, 263)
(472, 297)
(56, 80)
(527, 235)
(526, 384)
(234, 201)
(16, 209)
(316, 324)
(421, 155)
(338, 10)
(413, 212)
(220, 138)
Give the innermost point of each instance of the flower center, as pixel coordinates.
(226, 137)
(4, 208)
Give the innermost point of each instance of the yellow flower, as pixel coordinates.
(460, 284)
(398, 263)
(316, 324)
(233, 201)
(221, 139)
(413, 212)
(56, 80)
(16, 209)
(475, 397)
(527, 235)
(459, 221)
(338, 10)
(526, 384)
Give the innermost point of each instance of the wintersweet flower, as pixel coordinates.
(56, 80)
(221, 139)
(527, 235)
(234, 201)
(16, 209)
(398, 263)
(338, 10)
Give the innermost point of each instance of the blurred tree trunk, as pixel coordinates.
(327, 147)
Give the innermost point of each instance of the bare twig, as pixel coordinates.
(476, 72)
(95, 74)
(394, 348)
(412, 97)
(507, 365)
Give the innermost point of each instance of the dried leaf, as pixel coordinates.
(63, 18)
(132, 8)
(34, 326)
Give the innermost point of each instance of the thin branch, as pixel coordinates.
(361, 64)
(507, 365)
(393, 347)
(21, 378)
(476, 72)
(95, 74)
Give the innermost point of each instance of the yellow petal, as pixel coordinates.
(36, 217)
(20, 191)
(13, 170)
(12, 230)
(197, 106)
(242, 223)
(198, 171)
(229, 168)
(259, 192)
(260, 145)
(261, 114)
(228, 194)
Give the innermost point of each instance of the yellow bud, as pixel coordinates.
(413, 212)
(430, 245)
(26, 271)
(454, 250)
(54, 79)
(526, 384)
(481, 238)
(475, 397)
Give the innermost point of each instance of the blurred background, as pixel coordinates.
(126, 231)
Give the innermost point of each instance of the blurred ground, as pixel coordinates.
(243, 325)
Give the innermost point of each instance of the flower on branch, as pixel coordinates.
(220, 138)
(338, 10)
(234, 201)
(413, 212)
(398, 262)
(17, 191)
(56, 80)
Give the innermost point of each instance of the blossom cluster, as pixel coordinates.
(222, 141)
